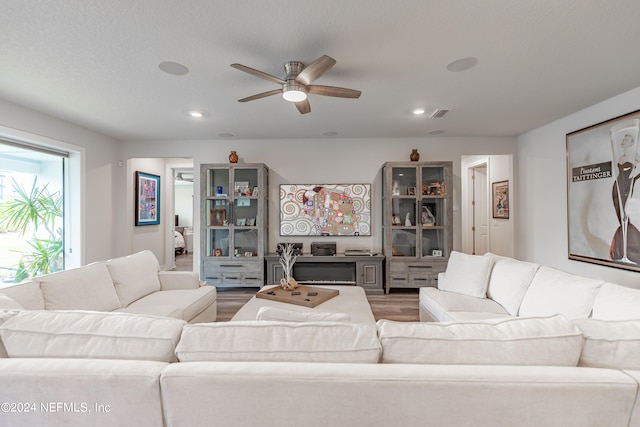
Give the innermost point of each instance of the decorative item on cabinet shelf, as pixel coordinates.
(395, 220)
(241, 188)
(233, 157)
(411, 191)
(434, 189)
(407, 220)
(414, 156)
(427, 217)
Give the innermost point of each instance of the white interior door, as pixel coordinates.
(480, 204)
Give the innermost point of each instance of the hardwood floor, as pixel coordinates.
(400, 304)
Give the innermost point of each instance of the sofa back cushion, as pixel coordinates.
(91, 335)
(85, 288)
(284, 315)
(262, 340)
(610, 344)
(509, 281)
(552, 341)
(27, 294)
(135, 276)
(615, 302)
(466, 274)
(7, 303)
(556, 292)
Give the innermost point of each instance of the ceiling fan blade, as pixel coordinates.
(315, 69)
(258, 73)
(339, 92)
(303, 106)
(260, 95)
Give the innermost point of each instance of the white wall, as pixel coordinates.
(541, 227)
(322, 161)
(96, 177)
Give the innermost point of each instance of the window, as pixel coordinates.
(32, 226)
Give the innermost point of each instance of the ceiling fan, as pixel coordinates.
(297, 83)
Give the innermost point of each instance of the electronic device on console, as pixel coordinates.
(323, 249)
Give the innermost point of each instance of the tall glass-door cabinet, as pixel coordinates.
(417, 222)
(234, 222)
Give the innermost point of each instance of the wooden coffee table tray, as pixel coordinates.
(308, 296)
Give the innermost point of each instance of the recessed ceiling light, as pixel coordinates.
(462, 64)
(196, 114)
(225, 134)
(329, 133)
(173, 68)
(418, 111)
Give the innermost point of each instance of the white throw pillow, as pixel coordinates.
(556, 292)
(91, 335)
(615, 302)
(254, 341)
(274, 313)
(509, 281)
(135, 276)
(466, 274)
(610, 344)
(7, 303)
(4, 316)
(551, 341)
(84, 288)
(27, 294)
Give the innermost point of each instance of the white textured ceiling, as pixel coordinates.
(95, 63)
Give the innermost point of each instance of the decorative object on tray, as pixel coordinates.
(414, 156)
(233, 157)
(287, 259)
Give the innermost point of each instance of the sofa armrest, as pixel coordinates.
(170, 280)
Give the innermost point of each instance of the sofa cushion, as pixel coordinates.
(7, 303)
(440, 304)
(4, 316)
(551, 341)
(466, 274)
(91, 335)
(27, 294)
(84, 288)
(610, 344)
(280, 341)
(190, 301)
(615, 302)
(134, 276)
(153, 310)
(554, 291)
(274, 313)
(509, 281)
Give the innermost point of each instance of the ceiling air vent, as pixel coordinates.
(438, 113)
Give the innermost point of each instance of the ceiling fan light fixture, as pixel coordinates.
(294, 92)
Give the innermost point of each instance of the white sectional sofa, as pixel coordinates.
(74, 368)
(489, 286)
(131, 284)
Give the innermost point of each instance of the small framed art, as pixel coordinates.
(500, 199)
(147, 199)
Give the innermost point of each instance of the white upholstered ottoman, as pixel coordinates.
(352, 301)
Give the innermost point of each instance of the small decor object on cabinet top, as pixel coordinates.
(233, 157)
(414, 156)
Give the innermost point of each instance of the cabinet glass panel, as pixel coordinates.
(403, 242)
(403, 181)
(433, 182)
(219, 213)
(404, 212)
(433, 212)
(434, 240)
(245, 212)
(246, 242)
(217, 242)
(245, 181)
(218, 182)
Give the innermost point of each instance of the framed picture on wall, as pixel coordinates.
(603, 210)
(147, 199)
(500, 199)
